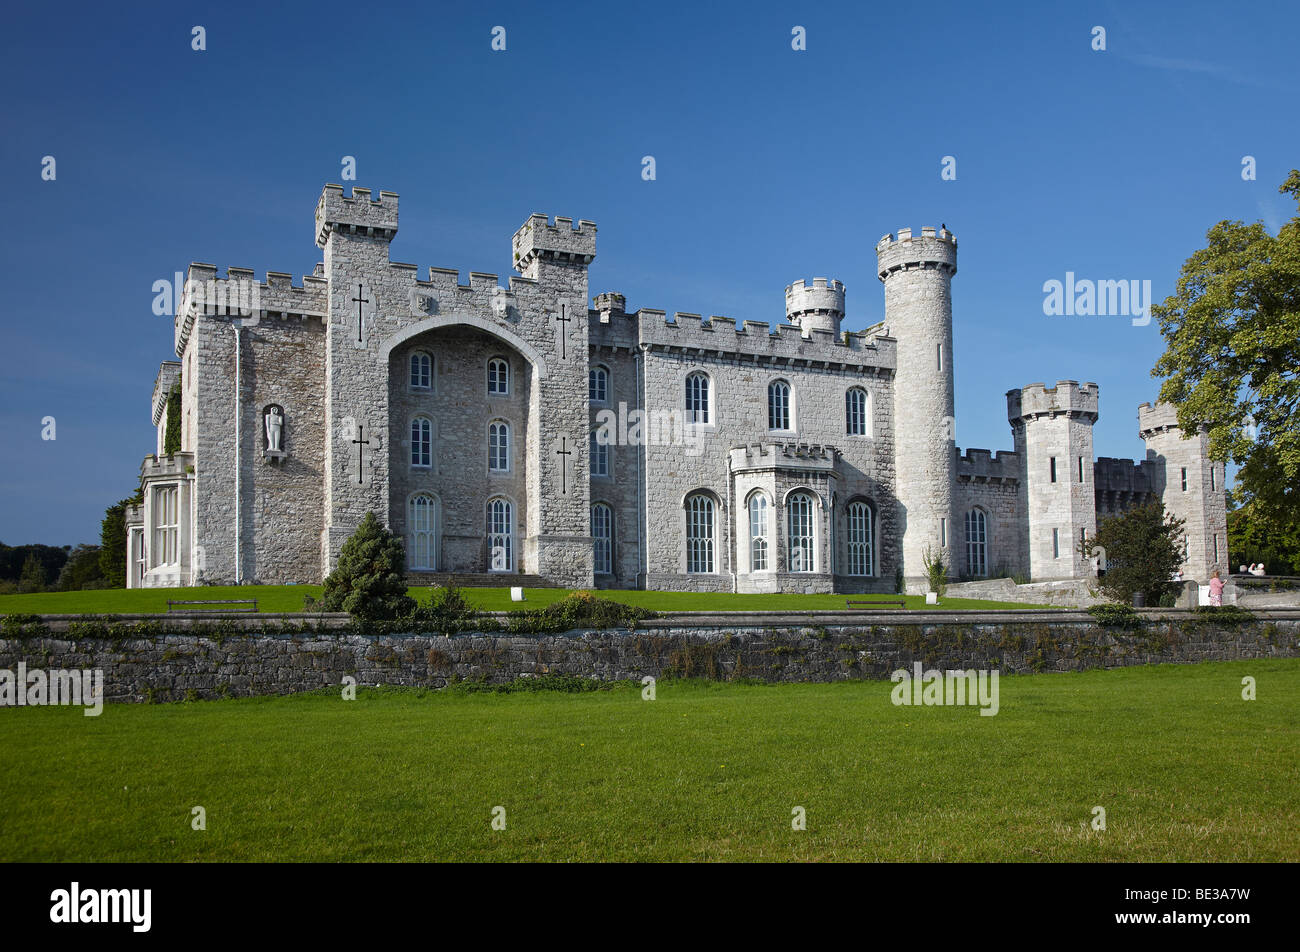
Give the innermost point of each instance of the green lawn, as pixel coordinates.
(289, 598)
(1185, 769)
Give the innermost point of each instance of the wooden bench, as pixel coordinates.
(221, 601)
(901, 603)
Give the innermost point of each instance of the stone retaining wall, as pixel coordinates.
(180, 666)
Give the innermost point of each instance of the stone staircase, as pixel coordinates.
(477, 579)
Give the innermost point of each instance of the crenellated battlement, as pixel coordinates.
(1156, 419)
(357, 214)
(906, 252)
(759, 340)
(539, 239)
(783, 455)
(1067, 398)
(611, 302)
(821, 296)
(238, 294)
(980, 465)
(1126, 476)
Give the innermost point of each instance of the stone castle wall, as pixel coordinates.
(181, 666)
(333, 353)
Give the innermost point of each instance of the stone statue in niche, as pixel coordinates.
(273, 424)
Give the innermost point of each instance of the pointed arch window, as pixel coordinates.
(861, 539)
(422, 442)
(758, 532)
(422, 532)
(498, 377)
(598, 385)
(977, 546)
(602, 535)
(699, 534)
(856, 417)
(698, 398)
(778, 405)
(501, 536)
(421, 370)
(498, 447)
(802, 545)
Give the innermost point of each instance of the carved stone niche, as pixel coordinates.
(275, 427)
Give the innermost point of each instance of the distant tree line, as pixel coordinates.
(49, 568)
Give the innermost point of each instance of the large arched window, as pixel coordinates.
(422, 530)
(801, 543)
(598, 385)
(421, 370)
(856, 419)
(498, 377)
(697, 398)
(699, 534)
(498, 447)
(778, 405)
(758, 532)
(861, 539)
(599, 455)
(421, 442)
(501, 536)
(602, 535)
(977, 545)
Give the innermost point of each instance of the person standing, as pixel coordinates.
(1216, 590)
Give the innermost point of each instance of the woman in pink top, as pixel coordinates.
(1216, 590)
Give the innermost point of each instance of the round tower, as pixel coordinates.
(817, 306)
(917, 273)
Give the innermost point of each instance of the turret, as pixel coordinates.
(1052, 429)
(816, 306)
(917, 273)
(358, 215)
(1191, 488)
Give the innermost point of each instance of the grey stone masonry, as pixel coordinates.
(180, 666)
(917, 272)
(730, 454)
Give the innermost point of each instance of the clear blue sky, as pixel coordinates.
(773, 165)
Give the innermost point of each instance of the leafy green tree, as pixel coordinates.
(1232, 359)
(1143, 547)
(935, 570)
(82, 570)
(1248, 543)
(33, 577)
(369, 581)
(112, 541)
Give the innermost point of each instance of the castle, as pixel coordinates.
(516, 433)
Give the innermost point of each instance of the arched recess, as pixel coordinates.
(529, 352)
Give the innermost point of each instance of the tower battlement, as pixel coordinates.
(238, 294)
(1067, 398)
(979, 465)
(1157, 418)
(815, 306)
(783, 455)
(906, 252)
(357, 214)
(759, 340)
(1126, 476)
(539, 239)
